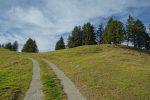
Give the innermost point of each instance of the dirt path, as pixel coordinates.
(69, 88)
(35, 90)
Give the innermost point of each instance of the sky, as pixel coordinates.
(46, 20)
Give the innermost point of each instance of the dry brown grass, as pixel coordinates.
(105, 72)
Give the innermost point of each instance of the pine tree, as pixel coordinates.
(120, 32)
(71, 42)
(139, 34)
(35, 48)
(149, 29)
(77, 34)
(15, 46)
(147, 42)
(100, 34)
(130, 29)
(8, 46)
(30, 46)
(105, 39)
(76, 37)
(114, 32)
(89, 37)
(60, 44)
(3, 46)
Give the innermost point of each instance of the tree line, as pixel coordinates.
(10, 46)
(29, 46)
(115, 32)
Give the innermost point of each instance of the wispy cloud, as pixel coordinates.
(46, 20)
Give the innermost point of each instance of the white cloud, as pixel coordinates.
(53, 18)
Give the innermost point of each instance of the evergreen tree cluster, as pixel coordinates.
(85, 35)
(115, 32)
(2, 45)
(30, 46)
(136, 33)
(133, 32)
(76, 38)
(10, 46)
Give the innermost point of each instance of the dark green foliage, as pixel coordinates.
(8, 46)
(15, 46)
(139, 35)
(100, 34)
(60, 44)
(105, 38)
(2, 46)
(114, 32)
(84, 36)
(71, 42)
(89, 37)
(76, 38)
(30, 46)
(149, 29)
(147, 43)
(136, 33)
(130, 29)
(77, 35)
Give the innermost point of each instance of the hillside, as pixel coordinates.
(105, 72)
(15, 75)
(100, 72)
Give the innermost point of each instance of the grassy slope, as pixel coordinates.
(51, 85)
(106, 72)
(15, 75)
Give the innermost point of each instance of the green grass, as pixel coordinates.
(106, 72)
(51, 85)
(15, 75)
(100, 72)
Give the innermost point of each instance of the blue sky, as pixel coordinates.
(46, 20)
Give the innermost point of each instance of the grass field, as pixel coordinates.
(51, 85)
(100, 72)
(15, 75)
(106, 72)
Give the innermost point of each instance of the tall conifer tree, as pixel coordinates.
(130, 30)
(89, 37)
(100, 34)
(15, 46)
(30, 46)
(60, 44)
